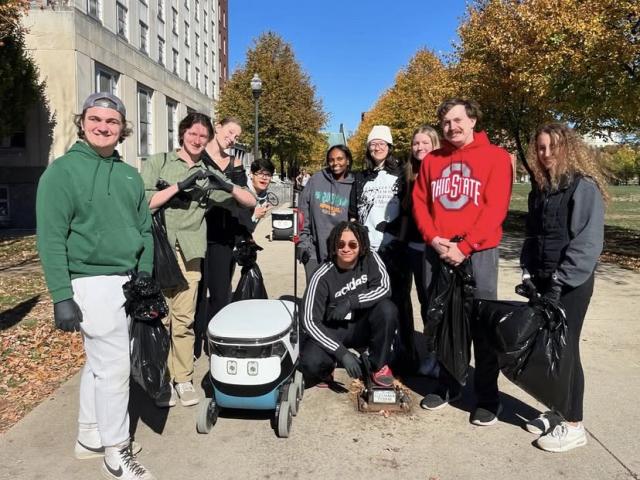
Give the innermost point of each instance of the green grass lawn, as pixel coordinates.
(623, 210)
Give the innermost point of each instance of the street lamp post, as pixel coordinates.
(256, 88)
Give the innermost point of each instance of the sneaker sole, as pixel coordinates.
(564, 448)
(86, 454)
(441, 406)
(534, 430)
(166, 404)
(480, 423)
(190, 403)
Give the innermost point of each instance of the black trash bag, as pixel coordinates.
(246, 253)
(144, 300)
(166, 270)
(448, 324)
(250, 285)
(530, 339)
(149, 351)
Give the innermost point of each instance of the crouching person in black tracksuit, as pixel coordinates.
(347, 305)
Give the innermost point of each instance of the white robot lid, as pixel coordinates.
(283, 211)
(252, 320)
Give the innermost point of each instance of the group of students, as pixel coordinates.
(365, 235)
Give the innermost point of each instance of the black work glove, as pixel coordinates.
(553, 295)
(338, 311)
(190, 181)
(352, 365)
(218, 183)
(67, 315)
(302, 254)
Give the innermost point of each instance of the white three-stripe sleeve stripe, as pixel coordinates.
(309, 324)
(382, 290)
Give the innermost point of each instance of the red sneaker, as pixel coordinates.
(383, 377)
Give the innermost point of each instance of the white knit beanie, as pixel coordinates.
(380, 132)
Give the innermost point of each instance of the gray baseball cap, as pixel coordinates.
(106, 100)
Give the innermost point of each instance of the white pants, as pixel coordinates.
(104, 386)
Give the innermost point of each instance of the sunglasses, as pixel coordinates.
(352, 244)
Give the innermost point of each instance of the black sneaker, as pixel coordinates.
(440, 399)
(485, 416)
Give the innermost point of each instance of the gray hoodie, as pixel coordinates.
(324, 203)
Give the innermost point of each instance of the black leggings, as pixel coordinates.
(373, 327)
(217, 271)
(576, 302)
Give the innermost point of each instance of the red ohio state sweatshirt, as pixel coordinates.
(464, 191)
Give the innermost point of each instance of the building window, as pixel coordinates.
(196, 12)
(175, 62)
(144, 121)
(206, 54)
(144, 37)
(174, 20)
(205, 16)
(121, 18)
(161, 10)
(187, 70)
(197, 78)
(186, 33)
(93, 8)
(16, 140)
(4, 203)
(186, 4)
(206, 85)
(106, 80)
(172, 139)
(197, 42)
(160, 50)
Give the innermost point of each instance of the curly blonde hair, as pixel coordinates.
(573, 156)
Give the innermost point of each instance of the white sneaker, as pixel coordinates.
(83, 451)
(187, 394)
(542, 424)
(123, 466)
(562, 438)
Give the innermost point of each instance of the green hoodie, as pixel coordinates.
(93, 219)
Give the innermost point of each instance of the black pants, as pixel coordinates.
(396, 261)
(373, 328)
(485, 273)
(217, 271)
(576, 302)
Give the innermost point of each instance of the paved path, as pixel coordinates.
(330, 439)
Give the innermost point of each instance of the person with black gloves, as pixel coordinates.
(324, 203)
(564, 238)
(93, 226)
(346, 305)
(223, 228)
(193, 189)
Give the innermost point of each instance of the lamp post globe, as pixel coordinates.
(256, 89)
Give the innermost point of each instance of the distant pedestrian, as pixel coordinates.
(377, 202)
(424, 140)
(94, 226)
(324, 203)
(564, 238)
(302, 179)
(460, 200)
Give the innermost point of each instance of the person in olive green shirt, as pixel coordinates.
(186, 199)
(94, 226)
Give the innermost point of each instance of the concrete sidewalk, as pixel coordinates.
(330, 439)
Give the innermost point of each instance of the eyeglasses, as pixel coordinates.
(377, 145)
(263, 174)
(352, 244)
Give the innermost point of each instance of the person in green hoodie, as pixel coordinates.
(94, 226)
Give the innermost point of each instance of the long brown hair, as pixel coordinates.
(573, 156)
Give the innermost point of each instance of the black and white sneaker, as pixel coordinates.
(485, 416)
(543, 424)
(84, 451)
(124, 466)
(440, 399)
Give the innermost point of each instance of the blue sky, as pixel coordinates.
(351, 49)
